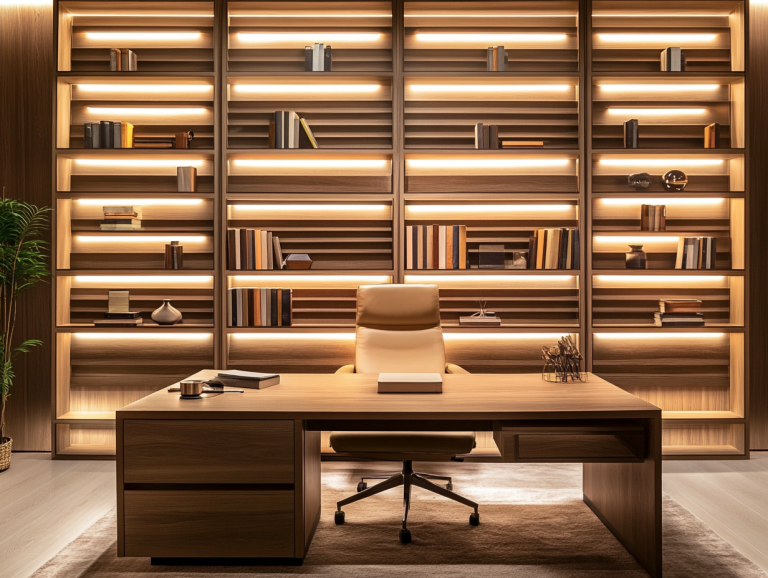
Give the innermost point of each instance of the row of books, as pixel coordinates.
(123, 60)
(253, 249)
(679, 313)
(259, 307)
(317, 58)
(554, 249)
(288, 131)
(672, 59)
(653, 217)
(696, 253)
(121, 218)
(436, 247)
(108, 134)
(487, 137)
(498, 59)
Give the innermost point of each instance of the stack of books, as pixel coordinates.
(498, 59)
(696, 253)
(121, 218)
(108, 134)
(554, 249)
(653, 217)
(712, 136)
(259, 307)
(679, 313)
(245, 379)
(288, 131)
(436, 247)
(486, 136)
(118, 312)
(253, 249)
(317, 58)
(123, 60)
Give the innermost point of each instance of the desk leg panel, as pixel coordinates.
(627, 499)
(307, 484)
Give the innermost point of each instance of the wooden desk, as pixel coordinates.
(238, 475)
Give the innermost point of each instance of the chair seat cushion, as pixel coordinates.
(450, 443)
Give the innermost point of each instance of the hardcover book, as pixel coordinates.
(410, 383)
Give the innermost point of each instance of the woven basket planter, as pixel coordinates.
(5, 453)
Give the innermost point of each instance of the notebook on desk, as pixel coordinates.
(410, 383)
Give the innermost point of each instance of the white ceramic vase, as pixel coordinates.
(166, 314)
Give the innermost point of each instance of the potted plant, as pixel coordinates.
(23, 263)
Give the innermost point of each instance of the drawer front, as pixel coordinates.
(200, 524)
(208, 451)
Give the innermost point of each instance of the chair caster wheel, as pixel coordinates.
(338, 517)
(405, 536)
(449, 486)
(474, 519)
(362, 486)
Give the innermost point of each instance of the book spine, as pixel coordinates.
(479, 135)
(273, 308)
(424, 243)
(680, 253)
(442, 246)
(495, 58)
(631, 134)
(531, 253)
(88, 135)
(430, 249)
(503, 59)
(117, 135)
(435, 246)
(287, 304)
(489, 64)
(456, 248)
(409, 246)
(463, 247)
(308, 59)
(263, 249)
(242, 242)
(106, 135)
(279, 300)
(493, 136)
(124, 60)
(133, 60)
(449, 247)
(114, 60)
(486, 137)
(279, 129)
(327, 59)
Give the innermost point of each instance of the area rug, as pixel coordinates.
(534, 524)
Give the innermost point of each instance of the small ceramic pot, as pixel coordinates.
(166, 314)
(636, 258)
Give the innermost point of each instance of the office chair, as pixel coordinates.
(398, 331)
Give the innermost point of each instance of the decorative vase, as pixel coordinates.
(674, 180)
(166, 314)
(635, 258)
(6, 444)
(519, 261)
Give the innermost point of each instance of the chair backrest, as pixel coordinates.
(398, 330)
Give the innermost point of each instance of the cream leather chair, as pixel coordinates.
(398, 331)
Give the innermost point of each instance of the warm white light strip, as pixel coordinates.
(144, 111)
(312, 163)
(143, 35)
(25, 3)
(427, 209)
(658, 87)
(660, 162)
(489, 38)
(416, 279)
(475, 15)
(293, 336)
(370, 279)
(132, 279)
(308, 37)
(656, 111)
(305, 88)
(146, 336)
(656, 38)
(139, 202)
(150, 88)
(143, 15)
(638, 240)
(282, 208)
(485, 163)
(140, 239)
(489, 87)
(660, 278)
(499, 336)
(310, 15)
(139, 163)
(657, 201)
(660, 335)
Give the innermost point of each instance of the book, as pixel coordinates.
(95, 135)
(279, 129)
(678, 319)
(126, 135)
(306, 135)
(317, 57)
(124, 315)
(106, 134)
(118, 301)
(680, 306)
(87, 135)
(117, 134)
(477, 321)
(118, 322)
(493, 136)
(123, 211)
(631, 134)
(327, 59)
(115, 60)
(513, 144)
(672, 59)
(410, 383)
(712, 136)
(479, 136)
(653, 217)
(308, 58)
(251, 379)
(128, 60)
(278, 257)
(498, 59)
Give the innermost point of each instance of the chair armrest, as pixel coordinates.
(453, 368)
(346, 369)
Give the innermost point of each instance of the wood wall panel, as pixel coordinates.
(26, 73)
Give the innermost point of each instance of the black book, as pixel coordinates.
(123, 315)
(563, 258)
(456, 248)
(87, 135)
(631, 134)
(287, 304)
(273, 307)
(415, 246)
(493, 136)
(233, 307)
(95, 139)
(307, 59)
(106, 134)
(327, 59)
(279, 129)
(531, 252)
(576, 250)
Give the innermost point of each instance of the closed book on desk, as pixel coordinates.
(248, 379)
(410, 383)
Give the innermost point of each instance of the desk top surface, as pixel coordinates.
(354, 397)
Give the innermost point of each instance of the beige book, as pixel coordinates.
(410, 383)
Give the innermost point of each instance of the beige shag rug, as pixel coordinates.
(534, 524)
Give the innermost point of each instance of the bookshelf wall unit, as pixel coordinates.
(394, 120)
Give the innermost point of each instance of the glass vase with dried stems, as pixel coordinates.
(23, 263)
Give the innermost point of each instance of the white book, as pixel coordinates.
(317, 63)
(690, 254)
(237, 249)
(410, 383)
(441, 237)
(263, 248)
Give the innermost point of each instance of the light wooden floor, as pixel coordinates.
(730, 496)
(46, 504)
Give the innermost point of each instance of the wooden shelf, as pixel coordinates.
(703, 416)
(87, 416)
(701, 451)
